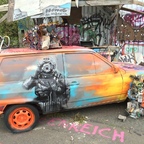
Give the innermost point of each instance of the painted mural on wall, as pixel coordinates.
(132, 52)
(50, 89)
(90, 29)
(95, 25)
(134, 19)
(96, 28)
(136, 46)
(63, 34)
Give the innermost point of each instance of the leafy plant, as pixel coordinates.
(79, 118)
(9, 28)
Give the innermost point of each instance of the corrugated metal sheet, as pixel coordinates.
(88, 10)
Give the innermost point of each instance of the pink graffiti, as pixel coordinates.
(69, 35)
(102, 130)
(121, 136)
(135, 20)
(86, 129)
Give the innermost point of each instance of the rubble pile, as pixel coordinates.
(135, 106)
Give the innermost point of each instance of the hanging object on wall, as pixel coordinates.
(38, 8)
(56, 8)
(76, 1)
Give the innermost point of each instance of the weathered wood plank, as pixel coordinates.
(102, 2)
(138, 3)
(106, 2)
(131, 10)
(4, 7)
(4, 17)
(10, 10)
(116, 22)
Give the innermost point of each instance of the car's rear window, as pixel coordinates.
(20, 68)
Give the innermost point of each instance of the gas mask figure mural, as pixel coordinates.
(52, 93)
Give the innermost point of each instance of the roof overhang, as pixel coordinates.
(80, 3)
(105, 2)
(92, 3)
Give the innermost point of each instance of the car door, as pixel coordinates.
(91, 80)
(34, 78)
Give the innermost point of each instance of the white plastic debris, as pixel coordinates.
(72, 138)
(121, 117)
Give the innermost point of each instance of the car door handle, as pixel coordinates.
(74, 83)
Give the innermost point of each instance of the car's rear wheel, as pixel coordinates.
(21, 118)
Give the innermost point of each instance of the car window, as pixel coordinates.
(19, 68)
(79, 64)
(101, 66)
(85, 64)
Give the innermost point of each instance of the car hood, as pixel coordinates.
(128, 67)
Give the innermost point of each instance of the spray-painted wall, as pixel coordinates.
(130, 30)
(105, 27)
(93, 26)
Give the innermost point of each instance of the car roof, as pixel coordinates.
(63, 49)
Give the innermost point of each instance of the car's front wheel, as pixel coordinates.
(21, 118)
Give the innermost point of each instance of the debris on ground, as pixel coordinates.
(79, 118)
(56, 115)
(121, 117)
(135, 107)
(72, 138)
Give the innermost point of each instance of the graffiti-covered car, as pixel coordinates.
(35, 82)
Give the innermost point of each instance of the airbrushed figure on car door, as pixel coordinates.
(52, 93)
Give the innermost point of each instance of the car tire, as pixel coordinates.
(21, 118)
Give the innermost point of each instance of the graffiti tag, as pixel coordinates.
(131, 49)
(127, 58)
(88, 129)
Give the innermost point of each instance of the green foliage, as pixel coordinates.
(3, 2)
(9, 28)
(79, 118)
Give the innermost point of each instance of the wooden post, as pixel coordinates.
(10, 10)
(132, 10)
(138, 2)
(115, 27)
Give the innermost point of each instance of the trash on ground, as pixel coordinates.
(135, 107)
(79, 118)
(121, 117)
